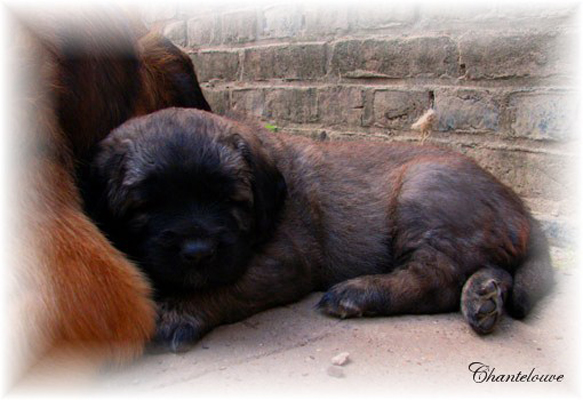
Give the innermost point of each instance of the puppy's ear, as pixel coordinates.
(111, 179)
(268, 185)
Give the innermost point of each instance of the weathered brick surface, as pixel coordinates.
(387, 14)
(203, 31)
(396, 58)
(542, 116)
(464, 109)
(281, 21)
(341, 106)
(290, 62)
(291, 105)
(222, 65)
(249, 102)
(531, 175)
(501, 79)
(322, 21)
(239, 26)
(217, 99)
(398, 109)
(509, 56)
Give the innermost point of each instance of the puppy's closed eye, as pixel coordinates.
(168, 237)
(138, 221)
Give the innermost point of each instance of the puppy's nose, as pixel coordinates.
(197, 250)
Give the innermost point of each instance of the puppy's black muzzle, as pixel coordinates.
(197, 250)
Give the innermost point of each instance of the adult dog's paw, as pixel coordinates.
(347, 300)
(176, 332)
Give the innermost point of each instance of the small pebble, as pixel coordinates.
(335, 371)
(340, 359)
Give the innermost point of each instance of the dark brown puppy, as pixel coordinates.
(229, 220)
(81, 73)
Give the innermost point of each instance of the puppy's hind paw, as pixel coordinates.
(483, 306)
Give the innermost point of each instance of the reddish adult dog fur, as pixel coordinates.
(80, 77)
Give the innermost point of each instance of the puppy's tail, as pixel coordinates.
(534, 278)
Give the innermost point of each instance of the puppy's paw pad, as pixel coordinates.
(484, 308)
(344, 301)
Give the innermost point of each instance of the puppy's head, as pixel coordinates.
(187, 194)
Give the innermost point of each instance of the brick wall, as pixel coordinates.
(501, 78)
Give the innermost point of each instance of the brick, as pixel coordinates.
(282, 21)
(398, 109)
(248, 102)
(204, 31)
(531, 175)
(429, 57)
(381, 15)
(341, 106)
(467, 110)
(223, 65)
(291, 105)
(368, 112)
(542, 116)
(239, 27)
(290, 62)
(451, 15)
(493, 16)
(176, 32)
(322, 20)
(483, 11)
(313, 133)
(499, 56)
(217, 99)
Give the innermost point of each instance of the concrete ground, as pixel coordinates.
(288, 351)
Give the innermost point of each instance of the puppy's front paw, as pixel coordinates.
(176, 332)
(347, 299)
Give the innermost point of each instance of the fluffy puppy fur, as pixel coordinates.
(80, 74)
(229, 220)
